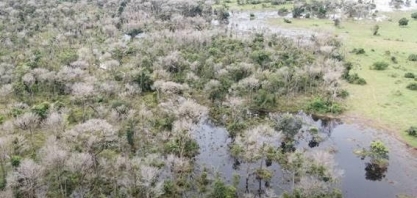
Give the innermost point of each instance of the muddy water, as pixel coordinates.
(399, 178)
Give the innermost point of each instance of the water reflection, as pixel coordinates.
(359, 177)
(375, 172)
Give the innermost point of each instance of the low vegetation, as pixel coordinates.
(103, 99)
(381, 65)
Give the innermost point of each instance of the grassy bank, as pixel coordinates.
(385, 98)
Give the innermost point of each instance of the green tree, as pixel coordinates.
(414, 15)
(403, 21)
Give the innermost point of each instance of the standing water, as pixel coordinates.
(358, 181)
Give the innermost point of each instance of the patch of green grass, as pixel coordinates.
(376, 100)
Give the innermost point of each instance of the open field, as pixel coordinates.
(384, 99)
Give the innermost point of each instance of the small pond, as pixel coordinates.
(357, 181)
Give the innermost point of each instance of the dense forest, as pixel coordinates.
(100, 98)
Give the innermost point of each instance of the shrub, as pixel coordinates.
(378, 150)
(41, 110)
(414, 15)
(287, 20)
(394, 59)
(409, 75)
(380, 65)
(278, 2)
(358, 51)
(412, 57)
(135, 32)
(319, 105)
(412, 86)
(403, 21)
(412, 131)
(343, 93)
(355, 79)
(282, 11)
(252, 16)
(15, 160)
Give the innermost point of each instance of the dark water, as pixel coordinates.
(399, 178)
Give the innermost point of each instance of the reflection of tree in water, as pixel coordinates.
(313, 143)
(375, 171)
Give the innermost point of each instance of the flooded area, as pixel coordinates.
(241, 22)
(357, 181)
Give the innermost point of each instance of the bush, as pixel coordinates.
(412, 86)
(412, 57)
(381, 65)
(358, 51)
(15, 160)
(355, 79)
(319, 105)
(394, 59)
(287, 20)
(409, 75)
(403, 21)
(282, 11)
(412, 131)
(41, 110)
(414, 15)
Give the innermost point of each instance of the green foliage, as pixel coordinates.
(394, 59)
(135, 32)
(343, 93)
(378, 150)
(261, 57)
(2, 118)
(403, 21)
(380, 65)
(414, 15)
(41, 110)
(358, 51)
(297, 11)
(412, 57)
(409, 75)
(282, 11)
(264, 100)
(319, 105)
(164, 123)
(289, 125)
(264, 174)
(68, 56)
(412, 86)
(287, 20)
(234, 127)
(182, 147)
(144, 80)
(15, 160)
(412, 131)
(355, 79)
(221, 190)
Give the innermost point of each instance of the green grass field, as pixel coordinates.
(385, 99)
